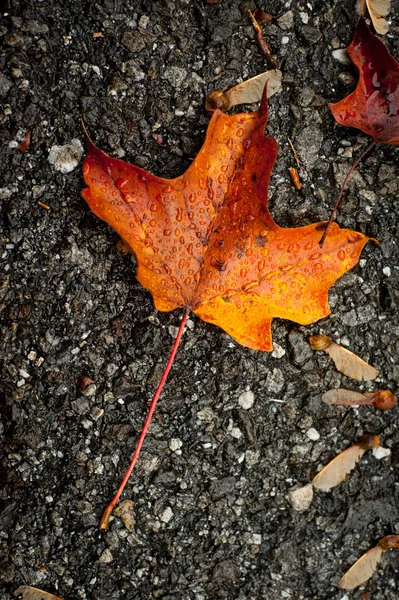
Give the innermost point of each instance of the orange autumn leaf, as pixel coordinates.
(206, 241)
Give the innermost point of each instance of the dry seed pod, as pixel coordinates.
(345, 361)
(378, 9)
(31, 593)
(320, 342)
(364, 568)
(383, 399)
(247, 92)
(336, 470)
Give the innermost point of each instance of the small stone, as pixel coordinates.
(299, 348)
(90, 390)
(66, 158)
(341, 55)
(308, 144)
(32, 355)
(313, 434)
(285, 40)
(301, 498)
(275, 381)
(167, 515)
(143, 22)
(106, 557)
(206, 414)
(96, 413)
(278, 351)
(387, 271)
(246, 400)
(175, 75)
(175, 444)
(5, 85)
(286, 21)
(381, 452)
(236, 433)
(255, 539)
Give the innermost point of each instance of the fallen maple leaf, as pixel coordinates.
(374, 105)
(206, 242)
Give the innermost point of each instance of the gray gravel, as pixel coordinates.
(212, 513)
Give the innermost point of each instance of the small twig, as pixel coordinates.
(263, 45)
(334, 210)
(294, 152)
(104, 523)
(45, 206)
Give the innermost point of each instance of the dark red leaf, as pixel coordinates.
(374, 105)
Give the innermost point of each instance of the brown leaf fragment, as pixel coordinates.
(337, 470)
(378, 9)
(383, 399)
(341, 397)
(31, 593)
(345, 361)
(125, 511)
(83, 382)
(261, 16)
(362, 570)
(246, 92)
(24, 145)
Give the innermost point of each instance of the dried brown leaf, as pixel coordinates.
(362, 570)
(336, 470)
(343, 397)
(345, 361)
(247, 92)
(31, 593)
(350, 364)
(382, 399)
(379, 9)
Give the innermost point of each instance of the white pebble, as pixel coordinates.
(341, 55)
(246, 400)
(285, 40)
(66, 158)
(386, 271)
(301, 498)
(236, 433)
(106, 556)
(278, 351)
(313, 434)
(256, 539)
(167, 515)
(381, 452)
(175, 444)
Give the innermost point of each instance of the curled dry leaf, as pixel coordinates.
(345, 361)
(336, 470)
(31, 593)
(379, 9)
(247, 92)
(364, 568)
(383, 399)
